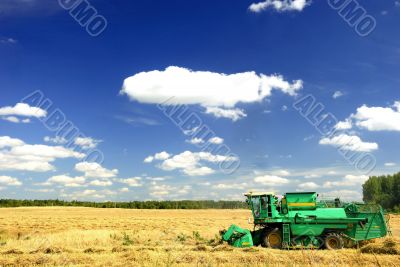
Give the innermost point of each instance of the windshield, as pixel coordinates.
(256, 206)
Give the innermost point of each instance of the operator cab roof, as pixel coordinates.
(251, 194)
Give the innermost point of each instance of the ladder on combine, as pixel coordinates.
(286, 236)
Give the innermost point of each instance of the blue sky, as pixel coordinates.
(238, 67)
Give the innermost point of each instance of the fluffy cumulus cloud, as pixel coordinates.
(86, 142)
(373, 119)
(337, 94)
(132, 182)
(219, 93)
(308, 186)
(66, 181)
(158, 156)
(162, 191)
(55, 140)
(230, 186)
(271, 180)
(12, 114)
(378, 118)
(280, 5)
(349, 143)
(191, 163)
(100, 183)
(17, 155)
(348, 180)
(95, 170)
(9, 181)
(88, 194)
(344, 125)
(216, 140)
(233, 114)
(196, 141)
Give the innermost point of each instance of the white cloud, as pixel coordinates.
(198, 171)
(162, 156)
(124, 190)
(216, 140)
(44, 151)
(349, 143)
(195, 141)
(191, 163)
(390, 164)
(9, 181)
(308, 186)
(219, 93)
(156, 179)
(149, 159)
(86, 142)
(55, 140)
(337, 94)
(378, 118)
(236, 186)
(23, 110)
(6, 141)
(232, 114)
(344, 125)
(66, 181)
(271, 180)
(280, 172)
(132, 182)
(100, 183)
(95, 170)
(16, 155)
(12, 119)
(312, 176)
(158, 156)
(347, 195)
(168, 191)
(348, 180)
(8, 41)
(280, 5)
(88, 194)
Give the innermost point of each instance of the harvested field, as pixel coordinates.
(115, 237)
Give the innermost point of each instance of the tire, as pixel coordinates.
(273, 239)
(333, 241)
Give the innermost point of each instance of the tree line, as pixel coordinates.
(184, 204)
(383, 190)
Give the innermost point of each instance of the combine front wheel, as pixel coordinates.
(273, 239)
(334, 241)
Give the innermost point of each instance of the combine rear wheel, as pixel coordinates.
(334, 241)
(273, 239)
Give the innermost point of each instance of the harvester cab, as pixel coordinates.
(299, 220)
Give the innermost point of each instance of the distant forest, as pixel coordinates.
(184, 204)
(383, 190)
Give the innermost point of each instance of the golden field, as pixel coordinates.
(115, 237)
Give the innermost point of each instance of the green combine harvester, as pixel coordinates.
(298, 220)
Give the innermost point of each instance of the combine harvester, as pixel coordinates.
(299, 221)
